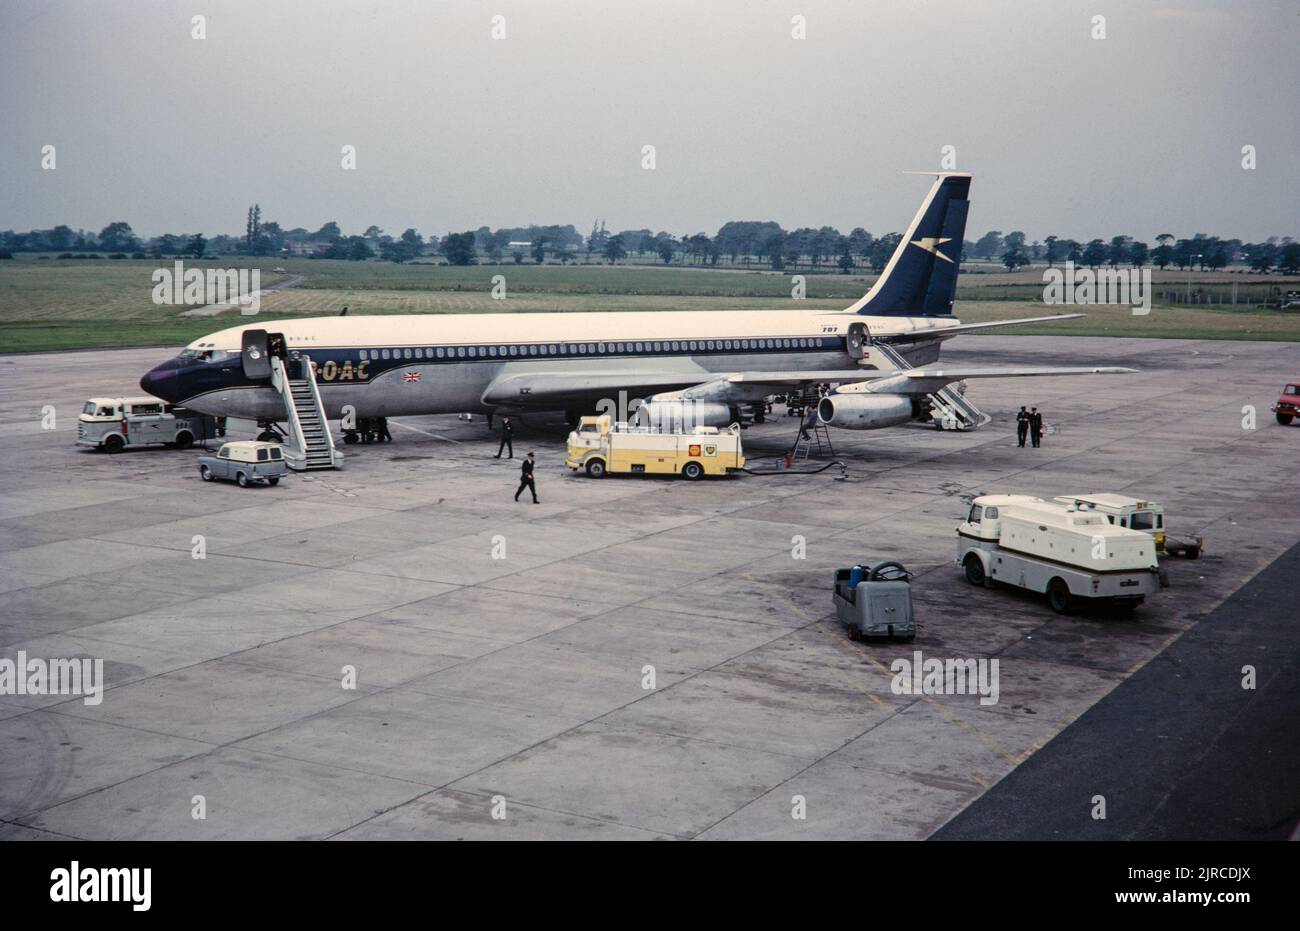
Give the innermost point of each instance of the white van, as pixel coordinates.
(116, 423)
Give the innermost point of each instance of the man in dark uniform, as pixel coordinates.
(381, 431)
(507, 438)
(526, 479)
(1035, 426)
(1022, 426)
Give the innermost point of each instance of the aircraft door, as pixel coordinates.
(858, 338)
(256, 355)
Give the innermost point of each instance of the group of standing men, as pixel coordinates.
(1029, 423)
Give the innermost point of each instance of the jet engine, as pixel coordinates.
(865, 411)
(683, 415)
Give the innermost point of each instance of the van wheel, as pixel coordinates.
(242, 479)
(1058, 596)
(1284, 419)
(184, 440)
(273, 480)
(974, 570)
(693, 471)
(114, 443)
(596, 468)
(205, 473)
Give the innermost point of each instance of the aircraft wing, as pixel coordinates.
(558, 390)
(928, 380)
(524, 391)
(941, 333)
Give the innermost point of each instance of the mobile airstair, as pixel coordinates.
(948, 407)
(310, 446)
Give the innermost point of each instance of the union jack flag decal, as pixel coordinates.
(411, 376)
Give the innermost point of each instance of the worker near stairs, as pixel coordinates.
(526, 479)
(1022, 426)
(507, 438)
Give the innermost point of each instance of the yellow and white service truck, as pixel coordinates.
(600, 446)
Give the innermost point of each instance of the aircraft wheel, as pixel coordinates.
(268, 436)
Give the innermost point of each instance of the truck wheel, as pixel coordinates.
(241, 479)
(205, 473)
(693, 471)
(114, 443)
(1058, 596)
(184, 439)
(974, 570)
(596, 468)
(1284, 419)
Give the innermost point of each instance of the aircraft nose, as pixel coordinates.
(162, 381)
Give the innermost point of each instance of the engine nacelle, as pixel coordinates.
(683, 415)
(865, 411)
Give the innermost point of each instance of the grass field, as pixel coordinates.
(79, 304)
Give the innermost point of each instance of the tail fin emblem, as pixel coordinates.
(932, 244)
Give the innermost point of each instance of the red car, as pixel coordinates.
(1288, 405)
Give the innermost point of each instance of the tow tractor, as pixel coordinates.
(600, 446)
(1135, 514)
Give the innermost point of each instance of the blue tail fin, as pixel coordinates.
(921, 277)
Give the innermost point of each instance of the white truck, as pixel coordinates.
(117, 423)
(1071, 555)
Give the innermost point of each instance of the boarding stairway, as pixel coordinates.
(311, 445)
(948, 406)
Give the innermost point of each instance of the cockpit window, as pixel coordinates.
(203, 355)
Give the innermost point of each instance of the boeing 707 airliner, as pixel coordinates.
(720, 363)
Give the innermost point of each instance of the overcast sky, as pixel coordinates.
(1139, 133)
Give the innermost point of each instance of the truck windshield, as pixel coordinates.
(1292, 389)
(102, 410)
(975, 513)
(1142, 520)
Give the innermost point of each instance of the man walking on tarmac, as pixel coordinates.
(507, 439)
(1022, 426)
(1035, 426)
(526, 479)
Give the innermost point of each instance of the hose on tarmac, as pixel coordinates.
(765, 472)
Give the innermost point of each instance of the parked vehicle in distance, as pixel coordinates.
(1135, 514)
(245, 462)
(1070, 555)
(117, 423)
(1288, 404)
(600, 446)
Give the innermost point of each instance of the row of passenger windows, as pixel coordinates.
(577, 349)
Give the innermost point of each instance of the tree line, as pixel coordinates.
(737, 242)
